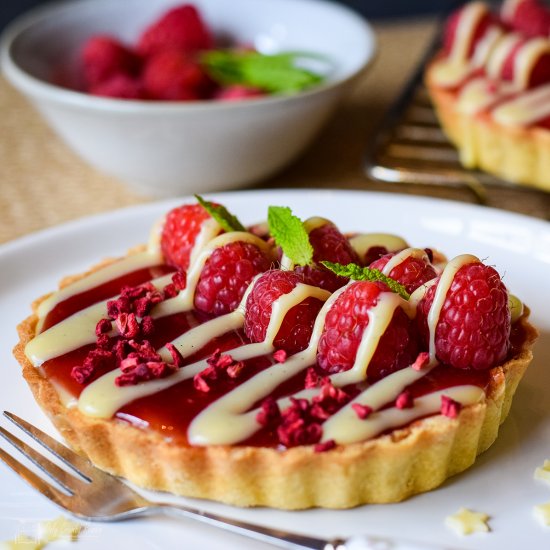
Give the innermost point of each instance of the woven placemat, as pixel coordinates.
(42, 182)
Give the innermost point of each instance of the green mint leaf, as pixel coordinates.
(280, 73)
(358, 273)
(290, 234)
(228, 221)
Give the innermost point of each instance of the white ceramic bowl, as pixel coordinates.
(168, 148)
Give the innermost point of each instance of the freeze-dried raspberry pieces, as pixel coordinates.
(345, 324)
(96, 360)
(128, 348)
(301, 422)
(473, 329)
(362, 411)
(146, 364)
(328, 245)
(450, 407)
(412, 272)
(295, 330)
(226, 276)
(298, 425)
(180, 29)
(269, 414)
(404, 400)
(220, 367)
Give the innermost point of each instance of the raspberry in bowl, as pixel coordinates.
(179, 142)
(289, 395)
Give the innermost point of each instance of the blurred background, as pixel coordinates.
(372, 9)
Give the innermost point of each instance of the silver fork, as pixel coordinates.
(94, 495)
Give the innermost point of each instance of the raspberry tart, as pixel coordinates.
(490, 85)
(260, 367)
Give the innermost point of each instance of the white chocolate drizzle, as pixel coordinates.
(346, 427)
(362, 243)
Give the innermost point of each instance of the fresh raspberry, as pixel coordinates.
(297, 326)
(174, 76)
(329, 245)
(121, 86)
(345, 324)
(226, 276)
(179, 233)
(474, 324)
(181, 28)
(486, 21)
(238, 92)
(104, 57)
(530, 18)
(411, 272)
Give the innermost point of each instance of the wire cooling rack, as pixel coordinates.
(410, 147)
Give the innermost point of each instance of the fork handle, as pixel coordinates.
(286, 539)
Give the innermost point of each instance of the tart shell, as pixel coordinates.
(516, 154)
(388, 468)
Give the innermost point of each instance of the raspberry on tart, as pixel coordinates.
(296, 328)
(473, 328)
(491, 89)
(180, 231)
(280, 394)
(328, 245)
(412, 268)
(346, 323)
(226, 276)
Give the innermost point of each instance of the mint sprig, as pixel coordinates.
(358, 273)
(227, 221)
(290, 234)
(279, 73)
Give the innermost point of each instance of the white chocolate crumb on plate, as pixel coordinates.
(59, 529)
(542, 513)
(22, 542)
(466, 522)
(542, 473)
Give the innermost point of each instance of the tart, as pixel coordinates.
(337, 372)
(490, 85)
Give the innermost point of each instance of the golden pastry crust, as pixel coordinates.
(389, 468)
(519, 155)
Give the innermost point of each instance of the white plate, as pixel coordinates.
(500, 483)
